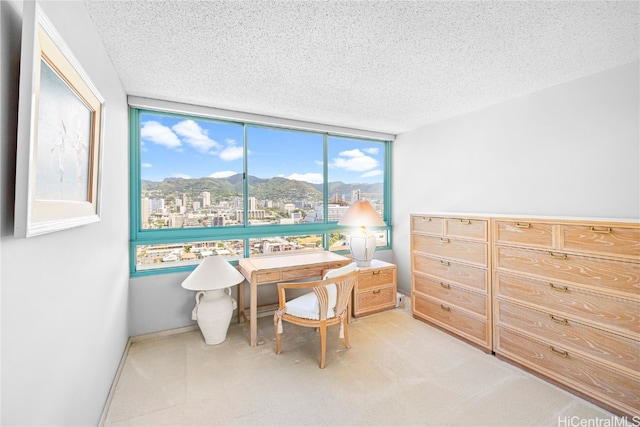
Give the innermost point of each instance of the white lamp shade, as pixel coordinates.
(361, 214)
(214, 272)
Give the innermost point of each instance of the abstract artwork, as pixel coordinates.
(59, 134)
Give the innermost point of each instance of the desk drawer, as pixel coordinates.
(268, 277)
(303, 273)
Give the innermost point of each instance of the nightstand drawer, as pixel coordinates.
(374, 300)
(369, 279)
(376, 288)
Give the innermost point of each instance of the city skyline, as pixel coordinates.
(196, 148)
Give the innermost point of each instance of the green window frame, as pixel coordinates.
(241, 234)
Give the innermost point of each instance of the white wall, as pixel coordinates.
(64, 295)
(570, 150)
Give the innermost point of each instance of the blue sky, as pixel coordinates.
(187, 148)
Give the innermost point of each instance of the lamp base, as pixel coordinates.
(363, 247)
(213, 312)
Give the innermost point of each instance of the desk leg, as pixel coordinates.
(253, 307)
(241, 315)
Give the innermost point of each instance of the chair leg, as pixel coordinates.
(346, 332)
(323, 344)
(275, 323)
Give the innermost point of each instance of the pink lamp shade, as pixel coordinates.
(361, 214)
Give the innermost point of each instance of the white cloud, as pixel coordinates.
(146, 165)
(372, 150)
(222, 174)
(195, 136)
(231, 152)
(354, 161)
(369, 174)
(314, 178)
(159, 134)
(180, 175)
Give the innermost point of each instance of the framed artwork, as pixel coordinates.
(60, 121)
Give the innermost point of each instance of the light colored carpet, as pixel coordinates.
(399, 372)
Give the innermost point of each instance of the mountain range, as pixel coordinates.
(277, 189)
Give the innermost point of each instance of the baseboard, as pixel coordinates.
(161, 334)
(112, 389)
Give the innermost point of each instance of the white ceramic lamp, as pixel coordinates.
(214, 305)
(362, 242)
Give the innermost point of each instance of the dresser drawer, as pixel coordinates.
(474, 277)
(570, 334)
(452, 294)
(603, 239)
(609, 385)
(476, 229)
(427, 224)
(464, 251)
(594, 308)
(368, 279)
(597, 272)
(373, 300)
(470, 327)
(522, 232)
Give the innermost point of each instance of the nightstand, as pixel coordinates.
(376, 289)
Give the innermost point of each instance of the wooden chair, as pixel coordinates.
(327, 305)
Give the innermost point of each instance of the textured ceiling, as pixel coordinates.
(388, 66)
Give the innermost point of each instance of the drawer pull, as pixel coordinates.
(603, 231)
(558, 288)
(559, 256)
(426, 219)
(559, 320)
(523, 224)
(465, 221)
(444, 240)
(447, 263)
(376, 272)
(377, 291)
(445, 285)
(558, 352)
(445, 308)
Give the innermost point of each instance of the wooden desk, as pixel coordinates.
(280, 268)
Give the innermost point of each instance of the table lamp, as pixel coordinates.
(362, 242)
(214, 304)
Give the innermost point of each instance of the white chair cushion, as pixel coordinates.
(307, 305)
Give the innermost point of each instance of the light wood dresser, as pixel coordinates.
(450, 265)
(567, 304)
(376, 289)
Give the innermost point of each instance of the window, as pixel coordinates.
(202, 184)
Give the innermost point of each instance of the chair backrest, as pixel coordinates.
(337, 298)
